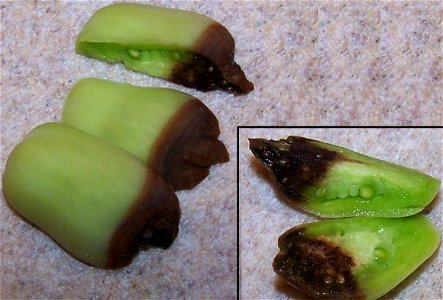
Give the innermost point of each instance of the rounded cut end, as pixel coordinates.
(152, 220)
(213, 66)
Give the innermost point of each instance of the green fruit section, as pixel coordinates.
(370, 187)
(333, 182)
(145, 38)
(124, 115)
(362, 257)
(384, 252)
(74, 187)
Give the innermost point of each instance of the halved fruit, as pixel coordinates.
(97, 201)
(172, 132)
(180, 46)
(332, 182)
(354, 258)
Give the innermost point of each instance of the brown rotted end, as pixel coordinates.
(188, 146)
(152, 220)
(213, 66)
(316, 267)
(296, 162)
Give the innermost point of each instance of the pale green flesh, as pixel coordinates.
(385, 250)
(74, 187)
(365, 186)
(157, 32)
(155, 62)
(142, 24)
(128, 116)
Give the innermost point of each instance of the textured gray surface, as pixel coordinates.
(264, 216)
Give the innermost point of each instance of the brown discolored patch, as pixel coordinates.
(152, 220)
(318, 268)
(295, 162)
(188, 146)
(213, 65)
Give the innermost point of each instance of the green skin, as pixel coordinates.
(179, 46)
(343, 183)
(145, 38)
(384, 252)
(112, 110)
(59, 178)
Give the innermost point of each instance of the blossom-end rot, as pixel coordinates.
(181, 46)
(333, 182)
(172, 132)
(97, 201)
(354, 258)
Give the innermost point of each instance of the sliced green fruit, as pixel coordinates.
(331, 181)
(173, 132)
(180, 46)
(98, 202)
(354, 258)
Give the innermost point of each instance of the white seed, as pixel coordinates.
(366, 192)
(134, 53)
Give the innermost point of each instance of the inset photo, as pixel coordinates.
(340, 213)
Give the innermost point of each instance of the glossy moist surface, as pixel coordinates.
(332, 181)
(181, 46)
(94, 199)
(354, 258)
(174, 133)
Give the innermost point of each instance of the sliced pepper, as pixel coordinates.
(180, 46)
(173, 132)
(98, 202)
(331, 181)
(354, 258)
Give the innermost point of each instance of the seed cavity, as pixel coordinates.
(353, 190)
(380, 253)
(156, 55)
(134, 53)
(339, 232)
(336, 190)
(320, 192)
(366, 192)
(175, 55)
(343, 193)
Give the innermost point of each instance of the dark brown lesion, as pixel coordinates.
(317, 267)
(152, 220)
(296, 162)
(188, 146)
(213, 66)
